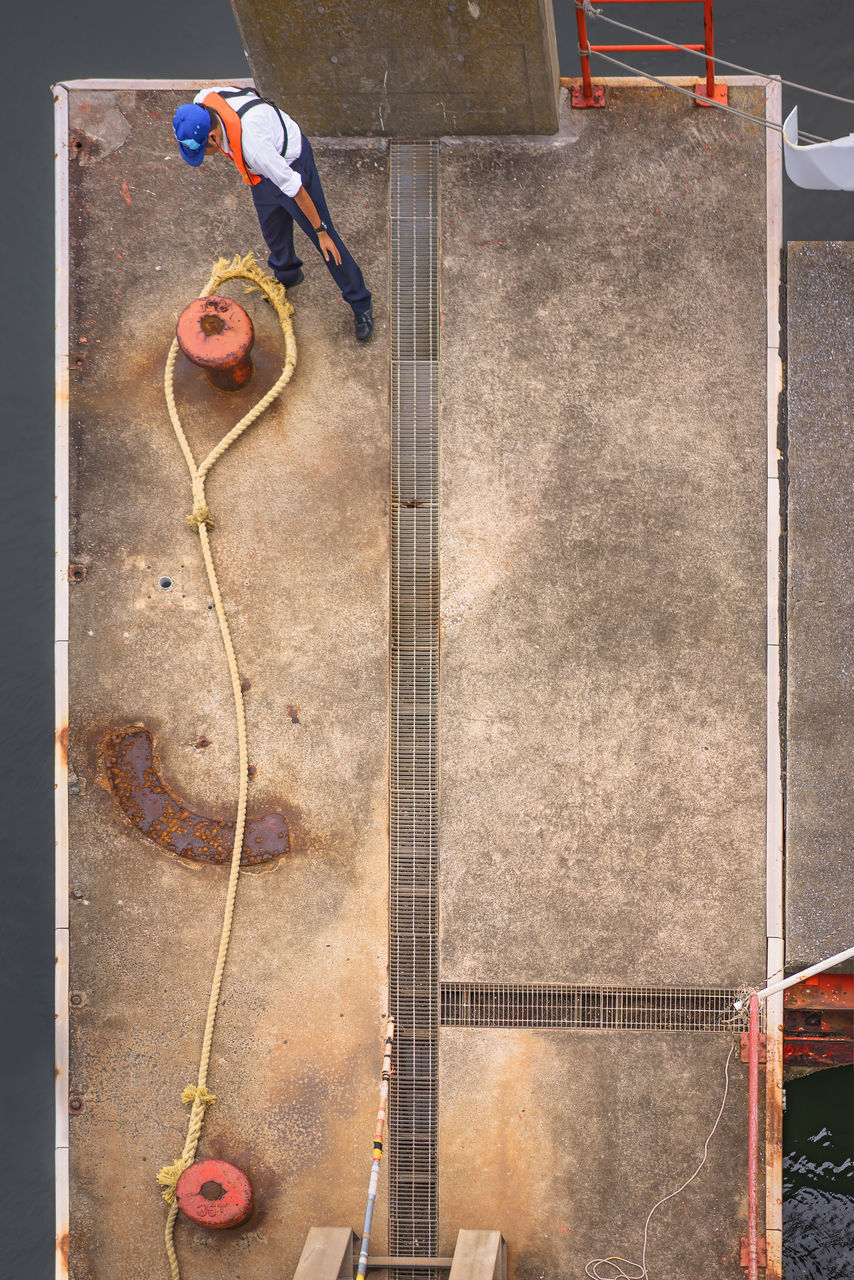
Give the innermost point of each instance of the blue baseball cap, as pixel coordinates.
(192, 124)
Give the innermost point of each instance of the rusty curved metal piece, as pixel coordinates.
(131, 771)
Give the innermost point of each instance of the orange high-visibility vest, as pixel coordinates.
(234, 132)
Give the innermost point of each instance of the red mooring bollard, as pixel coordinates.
(214, 1193)
(217, 335)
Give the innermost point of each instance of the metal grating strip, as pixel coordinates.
(495, 1004)
(414, 251)
(414, 780)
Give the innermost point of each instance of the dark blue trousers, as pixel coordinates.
(277, 213)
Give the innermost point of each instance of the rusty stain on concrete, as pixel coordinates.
(131, 772)
(62, 743)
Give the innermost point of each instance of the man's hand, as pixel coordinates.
(324, 240)
(327, 246)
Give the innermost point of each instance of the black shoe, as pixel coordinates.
(286, 287)
(364, 325)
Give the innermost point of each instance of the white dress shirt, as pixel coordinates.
(262, 140)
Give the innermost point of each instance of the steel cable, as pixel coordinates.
(689, 93)
(792, 84)
(591, 12)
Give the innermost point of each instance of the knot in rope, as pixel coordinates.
(168, 1176)
(200, 515)
(198, 1093)
(200, 1098)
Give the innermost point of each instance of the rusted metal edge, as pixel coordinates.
(774, 926)
(814, 1053)
(61, 292)
(818, 1024)
(830, 991)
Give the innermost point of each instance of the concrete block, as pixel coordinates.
(424, 69)
(480, 1255)
(327, 1255)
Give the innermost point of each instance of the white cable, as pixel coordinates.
(593, 1271)
(689, 93)
(699, 53)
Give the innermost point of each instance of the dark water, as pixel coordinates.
(818, 1177)
(43, 43)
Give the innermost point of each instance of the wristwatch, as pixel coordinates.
(322, 227)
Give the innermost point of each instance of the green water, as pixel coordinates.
(818, 1177)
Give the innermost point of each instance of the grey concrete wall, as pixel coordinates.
(422, 69)
(820, 800)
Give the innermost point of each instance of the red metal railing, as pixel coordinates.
(589, 95)
(752, 1138)
(834, 993)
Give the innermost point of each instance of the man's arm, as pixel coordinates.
(309, 208)
(262, 155)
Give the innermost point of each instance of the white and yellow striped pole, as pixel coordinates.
(378, 1153)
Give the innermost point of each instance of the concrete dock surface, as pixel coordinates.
(301, 547)
(603, 437)
(603, 559)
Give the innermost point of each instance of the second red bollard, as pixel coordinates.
(214, 1193)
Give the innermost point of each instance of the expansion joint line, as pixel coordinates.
(414, 662)
(198, 1096)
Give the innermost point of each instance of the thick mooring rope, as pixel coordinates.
(198, 1095)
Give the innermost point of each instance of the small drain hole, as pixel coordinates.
(165, 583)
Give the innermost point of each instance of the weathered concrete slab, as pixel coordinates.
(419, 69)
(603, 419)
(820, 632)
(603, 549)
(568, 1138)
(301, 547)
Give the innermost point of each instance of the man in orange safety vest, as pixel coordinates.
(275, 159)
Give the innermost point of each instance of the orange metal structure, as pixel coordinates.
(818, 1032)
(818, 1026)
(589, 95)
